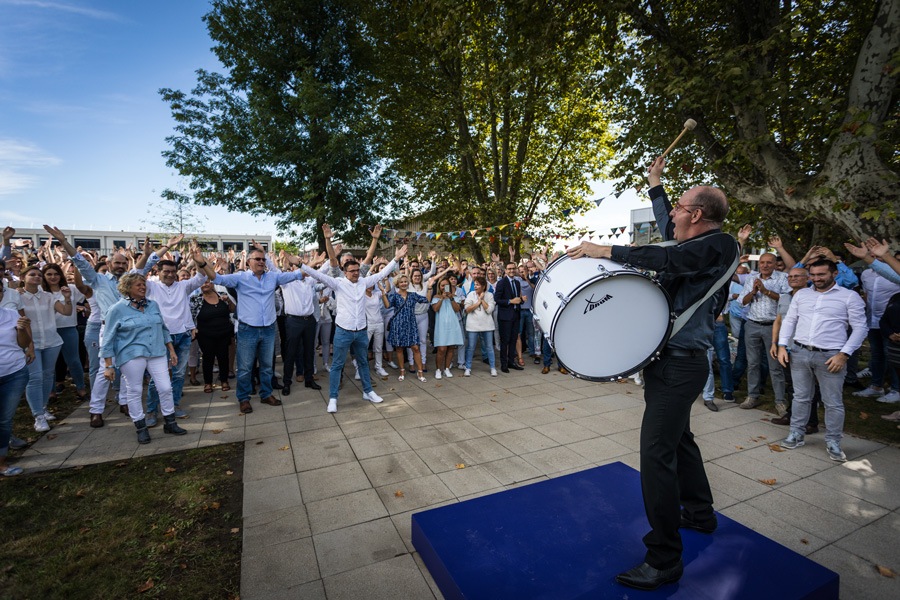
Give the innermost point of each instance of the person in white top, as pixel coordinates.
(301, 305)
(350, 319)
(878, 291)
(173, 297)
(375, 328)
(67, 328)
(41, 307)
(479, 307)
(817, 321)
(15, 338)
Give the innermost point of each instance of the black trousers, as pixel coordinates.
(672, 473)
(214, 347)
(509, 333)
(300, 341)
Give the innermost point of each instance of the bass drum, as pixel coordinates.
(604, 320)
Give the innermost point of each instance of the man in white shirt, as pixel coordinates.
(760, 294)
(173, 298)
(817, 321)
(350, 318)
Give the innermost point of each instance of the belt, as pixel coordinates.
(301, 316)
(255, 326)
(683, 352)
(351, 330)
(764, 323)
(813, 348)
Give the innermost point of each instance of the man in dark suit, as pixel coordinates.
(508, 296)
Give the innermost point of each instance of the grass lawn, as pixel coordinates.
(159, 526)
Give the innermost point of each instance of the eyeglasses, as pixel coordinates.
(256, 258)
(797, 276)
(679, 206)
(349, 271)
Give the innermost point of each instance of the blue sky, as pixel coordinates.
(82, 124)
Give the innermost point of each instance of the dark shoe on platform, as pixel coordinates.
(246, 407)
(286, 390)
(812, 429)
(313, 385)
(516, 367)
(785, 420)
(704, 527)
(504, 370)
(645, 577)
(271, 401)
(96, 420)
(171, 426)
(143, 434)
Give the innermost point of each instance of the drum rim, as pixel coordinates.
(653, 355)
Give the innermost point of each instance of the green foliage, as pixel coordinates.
(287, 130)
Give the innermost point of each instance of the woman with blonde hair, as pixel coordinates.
(404, 332)
(447, 332)
(136, 338)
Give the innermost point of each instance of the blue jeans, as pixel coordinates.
(877, 363)
(546, 352)
(487, 346)
(345, 341)
(11, 388)
(182, 344)
(526, 329)
(254, 343)
(92, 345)
(41, 379)
(69, 337)
(723, 353)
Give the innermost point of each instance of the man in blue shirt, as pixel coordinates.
(256, 323)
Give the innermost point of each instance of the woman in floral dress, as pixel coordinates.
(404, 332)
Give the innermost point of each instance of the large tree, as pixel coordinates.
(288, 129)
(491, 108)
(796, 103)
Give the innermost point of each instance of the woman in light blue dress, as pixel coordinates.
(447, 333)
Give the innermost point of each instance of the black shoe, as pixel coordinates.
(516, 367)
(143, 436)
(485, 361)
(313, 385)
(705, 527)
(504, 370)
(286, 390)
(711, 406)
(645, 577)
(171, 426)
(276, 385)
(785, 420)
(537, 360)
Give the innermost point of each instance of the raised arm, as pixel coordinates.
(6, 249)
(376, 233)
(332, 257)
(775, 242)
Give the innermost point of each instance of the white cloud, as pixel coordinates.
(9, 216)
(19, 160)
(69, 8)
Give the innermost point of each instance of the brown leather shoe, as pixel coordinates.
(785, 420)
(96, 420)
(563, 370)
(545, 370)
(123, 408)
(246, 407)
(271, 401)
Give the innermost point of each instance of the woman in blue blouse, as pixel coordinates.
(404, 332)
(136, 337)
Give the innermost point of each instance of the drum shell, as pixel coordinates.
(604, 319)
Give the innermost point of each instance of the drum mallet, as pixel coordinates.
(688, 126)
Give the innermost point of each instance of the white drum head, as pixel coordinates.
(612, 327)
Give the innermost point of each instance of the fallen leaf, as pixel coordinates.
(392, 389)
(170, 532)
(863, 416)
(753, 440)
(148, 585)
(804, 541)
(398, 494)
(79, 494)
(260, 442)
(223, 397)
(52, 436)
(171, 469)
(218, 430)
(216, 505)
(885, 571)
(739, 447)
(561, 408)
(437, 385)
(235, 529)
(78, 468)
(229, 472)
(182, 566)
(285, 448)
(493, 395)
(767, 481)
(202, 489)
(122, 464)
(775, 448)
(84, 530)
(492, 400)
(460, 466)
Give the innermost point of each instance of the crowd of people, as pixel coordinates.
(162, 316)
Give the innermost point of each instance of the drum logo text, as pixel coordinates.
(592, 304)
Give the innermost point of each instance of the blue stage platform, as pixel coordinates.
(567, 538)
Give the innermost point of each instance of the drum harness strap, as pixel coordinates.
(684, 317)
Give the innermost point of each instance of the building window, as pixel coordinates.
(236, 246)
(87, 243)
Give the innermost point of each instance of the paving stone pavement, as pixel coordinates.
(328, 498)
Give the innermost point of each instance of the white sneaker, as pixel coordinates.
(40, 424)
(869, 392)
(468, 373)
(381, 372)
(890, 397)
(327, 367)
(332, 405)
(461, 366)
(393, 365)
(493, 372)
(49, 415)
(373, 397)
(437, 374)
(356, 377)
(864, 373)
(447, 373)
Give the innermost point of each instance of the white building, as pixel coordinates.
(105, 241)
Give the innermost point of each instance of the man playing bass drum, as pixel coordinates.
(672, 473)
